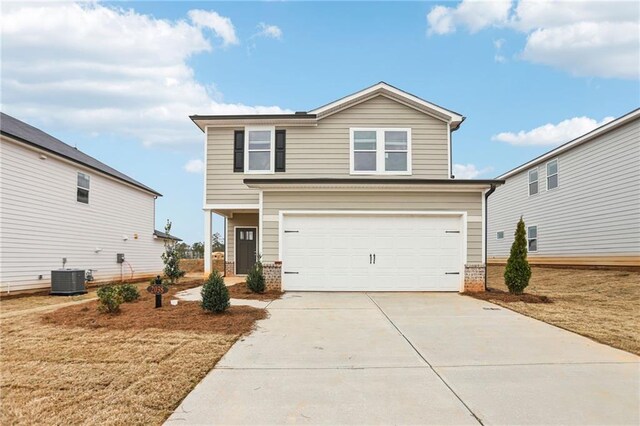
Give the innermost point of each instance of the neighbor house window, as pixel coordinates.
(381, 151)
(533, 181)
(552, 174)
(500, 235)
(83, 188)
(259, 149)
(532, 238)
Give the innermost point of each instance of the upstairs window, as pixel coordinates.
(533, 181)
(500, 235)
(532, 238)
(381, 151)
(259, 149)
(82, 194)
(552, 174)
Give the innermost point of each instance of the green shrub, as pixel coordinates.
(129, 292)
(215, 295)
(255, 278)
(110, 299)
(518, 272)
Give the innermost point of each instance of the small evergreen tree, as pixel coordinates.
(171, 257)
(518, 272)
(255, 278)
(215, 295)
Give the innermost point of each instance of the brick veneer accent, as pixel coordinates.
(474, 278)
(229, 269)
(272, 275)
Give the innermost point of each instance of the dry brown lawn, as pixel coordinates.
(601, 304)
(75, 366)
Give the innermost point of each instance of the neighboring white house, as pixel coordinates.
(58, 203)
(580, 201)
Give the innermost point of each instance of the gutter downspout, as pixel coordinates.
(486, 233)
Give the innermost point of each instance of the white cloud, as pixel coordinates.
(498, 44)
(194, 166)
(269, 31)
(93, 68)
(588, 38)
(552, 134)
(222, 26)
(473, 14)
(469, 171)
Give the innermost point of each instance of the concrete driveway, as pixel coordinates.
(390, 358)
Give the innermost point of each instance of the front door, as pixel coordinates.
(246, 249)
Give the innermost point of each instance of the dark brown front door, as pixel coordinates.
(246, 249)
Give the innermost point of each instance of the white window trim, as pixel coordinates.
(537, 170)
(546, 169)
(272, 156)
(380, 151)
(497, 232)
(79, 187)
(537, 238)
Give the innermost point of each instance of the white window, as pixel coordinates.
(552, 174)
(82, 193)
(259, 149)
(533, 181)
(381, 151)
(532, 238)
(500, 235)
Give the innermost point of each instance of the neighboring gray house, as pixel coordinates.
(354, 195)
(57, 202)
(580, 201)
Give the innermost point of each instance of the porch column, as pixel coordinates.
(207, 241)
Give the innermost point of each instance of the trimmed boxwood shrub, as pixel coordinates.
(129, 292)
(255, 278)
(215, 295)
(109, 298)
(518, 272)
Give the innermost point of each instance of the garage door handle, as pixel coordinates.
(370, 259)
(374, 258)
(448, 273)
(289, 272)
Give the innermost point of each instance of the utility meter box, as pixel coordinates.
(120, 257)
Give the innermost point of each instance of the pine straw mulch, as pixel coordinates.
(241, 291)
(80, 367)
(496, 295)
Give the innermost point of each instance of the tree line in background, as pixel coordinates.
(196, 250)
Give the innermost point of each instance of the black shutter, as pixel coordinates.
(281, 148)
(238, 151)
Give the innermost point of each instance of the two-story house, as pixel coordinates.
(580, 201)
(60, 207)
(356, 195)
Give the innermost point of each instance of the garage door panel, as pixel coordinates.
(412, 253)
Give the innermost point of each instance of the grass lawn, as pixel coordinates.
(601, 304)
(75, 366)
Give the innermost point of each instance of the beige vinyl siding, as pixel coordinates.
(238, 219)
(594, 211)
(41, 222)
(274, 202)
(323, 151)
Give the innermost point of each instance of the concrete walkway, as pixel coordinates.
(389, 358)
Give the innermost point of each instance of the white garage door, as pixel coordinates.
(372, 252)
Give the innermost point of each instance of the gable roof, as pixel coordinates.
(394, 93)
(25, 133)
(165, 236)
(311, 118)
(612, 125)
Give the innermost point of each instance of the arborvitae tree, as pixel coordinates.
(255, 278)
(518, 272)
(171, 257)
(215, 295)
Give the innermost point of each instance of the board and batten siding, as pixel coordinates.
(41, 222)
(594, 211)
(276, 201)
(322, 151)
(238, 219)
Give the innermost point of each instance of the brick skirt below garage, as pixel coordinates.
(229, 269)
(474, 278)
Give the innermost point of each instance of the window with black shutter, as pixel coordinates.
(281, 148)
(238, 151)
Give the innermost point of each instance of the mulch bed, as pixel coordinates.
(141, 315)
(241, 291)
(505, 296)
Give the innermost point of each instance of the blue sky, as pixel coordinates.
(120, 79)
